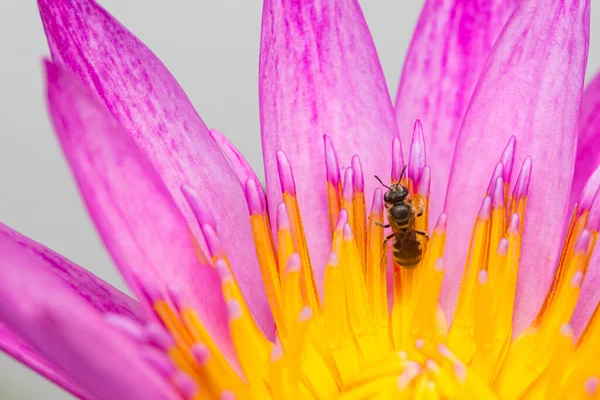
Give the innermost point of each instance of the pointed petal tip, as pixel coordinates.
(377, 204)
(294, 263)
(417, 157)
(442, 221)
(440, 264)
(348, 235)
(486, 208)
(342, 219)
(424, 187)
(498, 193)
(201, 353)
(234, 310)
(566, 330)
(348, 188)
(333, 260)
(507, 158)
(593, 222)
(186, 385)
(202, 213)
(590, 192)
(254, 197)
(156, 335)
(358, 177)
(582, 244)
(159, 362)
(215, 246)
(283, 221)
(503, 247)
(286, 177)
(332, 165)
(223, 270)
(591, 385)
(522, 186)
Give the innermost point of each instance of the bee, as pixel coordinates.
(408, 248)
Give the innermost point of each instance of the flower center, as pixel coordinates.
(361, 340)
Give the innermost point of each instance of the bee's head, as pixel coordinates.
(396, 194)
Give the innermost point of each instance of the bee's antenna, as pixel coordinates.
(382, 184)
(403, 171)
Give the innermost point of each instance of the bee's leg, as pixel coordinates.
(384, 252)
(421, 210)
(422, 234)
(379, 223)
(388, 237)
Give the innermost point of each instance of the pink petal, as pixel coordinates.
(237, 161)
(147, 100)
(137, 219)
(531, 87)
(14, 346)
(90, 289)
(449, 48)
(320, 74)
(51, 316)
(588, 142)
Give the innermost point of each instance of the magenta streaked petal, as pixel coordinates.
(146, 99)
(87, 287)
(93, 290)
(136, 217)
(588, 143)
(320, 75)
(417, 155)
(66, 329)
(449, 48)
(536, 68)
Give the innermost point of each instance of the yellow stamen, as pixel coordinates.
(375, 277)
(350, 346)
(268, 265)
(308, 280)
(334, 196)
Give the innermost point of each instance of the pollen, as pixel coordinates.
(377, 330)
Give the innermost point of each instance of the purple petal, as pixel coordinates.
(531, 88)
(147, 100)
(136, 217)
(90, 289)
(14, 346)
(449, 48)
(320, 75)
(64, 328)
(237, 161)
(93, 290)
(588, 142)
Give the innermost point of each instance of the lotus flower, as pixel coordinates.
(243, 293)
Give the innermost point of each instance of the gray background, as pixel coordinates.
(212, 49)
